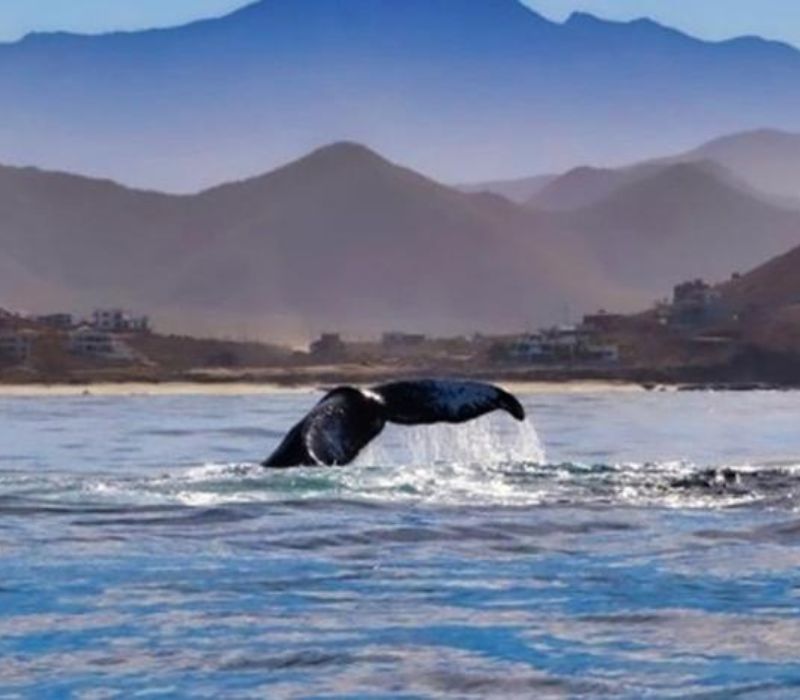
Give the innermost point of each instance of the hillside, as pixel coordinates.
(339, 239)
(343, 239)
(519, 190)
(585, 185)
(463, 90)
(683, 221)
(770, 286)
(768, 160)
(765, 163)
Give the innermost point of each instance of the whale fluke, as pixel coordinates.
(346, 419)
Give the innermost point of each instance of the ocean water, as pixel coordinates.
(618, 544)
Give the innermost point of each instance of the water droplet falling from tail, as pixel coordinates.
(489, 440)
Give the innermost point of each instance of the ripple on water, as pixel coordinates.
(631, 559)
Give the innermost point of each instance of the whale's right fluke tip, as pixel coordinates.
(511, 404)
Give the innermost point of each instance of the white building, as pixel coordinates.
(562, 344)
(118, 320)
(91, 342)
(531, 348)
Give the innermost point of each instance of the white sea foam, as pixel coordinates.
(432, 480)
(491, 461)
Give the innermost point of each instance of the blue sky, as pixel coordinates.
(711, 19)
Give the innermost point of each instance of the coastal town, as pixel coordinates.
(693, 337)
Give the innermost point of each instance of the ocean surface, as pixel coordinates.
(618, 544)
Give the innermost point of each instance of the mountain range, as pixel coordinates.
(462, 90)
(765, 161)
(338, 239)
(681, 221)
(345, 239)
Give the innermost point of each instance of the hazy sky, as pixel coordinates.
(713, 19)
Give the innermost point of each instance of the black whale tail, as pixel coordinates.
(444, 401)
(346, 419)
(510, 404)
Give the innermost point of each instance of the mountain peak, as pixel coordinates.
(458, 88)
(578, 17)
(341, 164)
(340, 157)
(451, 11)
(346, 151)
(590, 22)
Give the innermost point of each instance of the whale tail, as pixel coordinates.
(444, 401)
(346, 419)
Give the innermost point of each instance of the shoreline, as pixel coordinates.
(314, 378)
(312, 386)
(249, 388)
(254, 388)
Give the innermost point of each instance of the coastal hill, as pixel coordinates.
(343, 239)
(767, 159)
(681, 222)
(340, 238)
(64, 234)
(766, 162)
(462, 90)
(770, 292)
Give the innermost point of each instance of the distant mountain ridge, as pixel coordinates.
(765, 161)
(345, 239)
(459, 89)
(338, 239)
(681, 221)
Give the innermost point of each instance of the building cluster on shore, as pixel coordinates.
(695, 304)
(99, 336)
(696, 333)
(585, 343)
(599, 340)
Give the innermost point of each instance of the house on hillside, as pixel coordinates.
(87, 341)
(563, 344)
(329, 347)
(119, 321)
(695, 304)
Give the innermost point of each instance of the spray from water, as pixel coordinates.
(491, 440)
